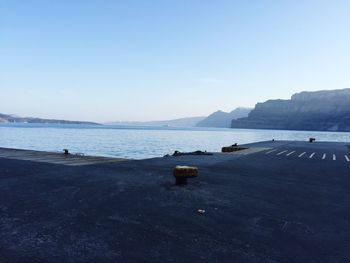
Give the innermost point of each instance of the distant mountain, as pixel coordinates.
(223, 119)
(5, 118)
(327, 110)
(182, 122)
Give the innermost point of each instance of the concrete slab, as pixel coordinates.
(258, 207)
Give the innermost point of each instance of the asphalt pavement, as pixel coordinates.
(277, 201)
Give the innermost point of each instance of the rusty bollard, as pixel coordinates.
(181, 173)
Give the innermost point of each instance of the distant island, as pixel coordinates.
(223, 119)
(5, 118)
(218, 119)
(327, 110)
(181, 122)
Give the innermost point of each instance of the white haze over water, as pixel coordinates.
(141, 142)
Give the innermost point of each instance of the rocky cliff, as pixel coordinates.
(319, 111)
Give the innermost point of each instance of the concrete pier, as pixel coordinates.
(55, 158)
(277, 201)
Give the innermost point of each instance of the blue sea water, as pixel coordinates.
(141, 142)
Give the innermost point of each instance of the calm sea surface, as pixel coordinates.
(140, 142)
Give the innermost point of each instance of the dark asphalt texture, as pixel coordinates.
(259, 207)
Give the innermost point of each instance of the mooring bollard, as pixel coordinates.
(65, 151)
(181, 173)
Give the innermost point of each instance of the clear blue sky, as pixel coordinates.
(152, 60)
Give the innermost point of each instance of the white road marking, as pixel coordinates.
(271, 151)
(301, 154)
(347, 158)
(250, 150)
(324, 156)
(290, 153)
(312, 155)
(282, 152)
(334, 157)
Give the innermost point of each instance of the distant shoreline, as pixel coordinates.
(148, 127)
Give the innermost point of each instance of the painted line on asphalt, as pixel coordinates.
(282, 152)
(334, 157)
(290, 153)
(301, 154)
(347, 158)
(324, 156)
(311, 155)
(271, 151)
